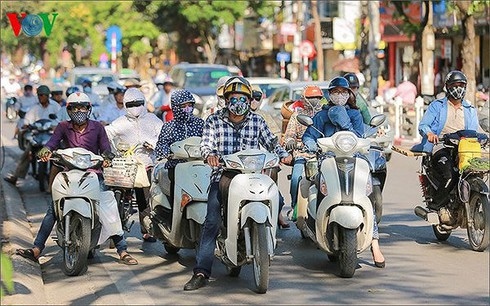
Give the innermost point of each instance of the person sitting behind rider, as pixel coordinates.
(79, 132)
(447, 115)
(227, 131)
(185, 124)
(112, 111)
(57, 95)
(26, 101)
(341, 114)
(311, 97)
(360, 102)
(138, 126)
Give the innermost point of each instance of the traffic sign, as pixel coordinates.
(306, 48)
(108, 41)
(283, 57)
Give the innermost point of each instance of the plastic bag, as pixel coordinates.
(108, 216)
(141, 180)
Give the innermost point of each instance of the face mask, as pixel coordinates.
(339, 98)
(135, 112)
(238, 106)
(78, 117)
(313, 102)
(457, 92)
(188, 109)
(87, 89)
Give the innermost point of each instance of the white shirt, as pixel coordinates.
(26, 102)
(111, 112)
(134, 131)
(39, 112)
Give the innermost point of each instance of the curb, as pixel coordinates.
(17, 233)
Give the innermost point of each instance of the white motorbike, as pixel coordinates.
(248, 234)
(334, 208)
(76, 195)
(178, 221)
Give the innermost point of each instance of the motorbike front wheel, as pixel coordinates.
(76, 253)
(348, 252)
(478, 221)
(261, 259)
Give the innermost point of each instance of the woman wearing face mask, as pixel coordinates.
(184, 125)
(138, 127)
(341, 114)
(310, 98)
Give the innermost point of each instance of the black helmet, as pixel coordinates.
(339, 82)
(71, 90)
(352, 79)
(237, 84)
(455, 76)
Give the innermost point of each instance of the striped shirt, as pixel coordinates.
(223, 137)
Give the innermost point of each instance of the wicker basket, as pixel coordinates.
(122, 172)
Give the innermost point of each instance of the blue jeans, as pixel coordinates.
(207, 243)
(296, 175)
(48, 224)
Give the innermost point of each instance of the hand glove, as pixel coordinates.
(290, 145)
(45, 151)
(147, 145)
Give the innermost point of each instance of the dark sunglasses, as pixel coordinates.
(241, 99)
(135, 103)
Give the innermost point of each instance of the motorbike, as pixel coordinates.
(11, 108)
(37, 135)
(248, 232)
(178, 221)
(334, 207)
(76, 195)
(467, 205)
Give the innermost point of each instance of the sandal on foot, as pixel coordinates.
(128, 260)
(27, 253)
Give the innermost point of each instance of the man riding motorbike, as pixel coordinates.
(227, 131)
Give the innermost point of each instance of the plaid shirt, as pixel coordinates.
(222, 137)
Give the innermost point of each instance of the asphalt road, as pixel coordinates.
(419, 269)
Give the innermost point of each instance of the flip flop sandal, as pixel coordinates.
(27, 253)
(128, 260)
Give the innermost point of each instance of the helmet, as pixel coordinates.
(312, 91)
(57, 90)
(339, 82)
(85, 82)
(71, 90)
(78, 98)
(239, 85)
(134, 95)
(27, 87)
(455, 76)
(221, 84)
(181, 96)
(111, 86)
(119, 89)
(43, 90)
(352, 79)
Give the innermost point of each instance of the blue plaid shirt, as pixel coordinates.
(222, 137)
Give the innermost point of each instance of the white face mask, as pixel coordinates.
(339, 98)
(135, 112)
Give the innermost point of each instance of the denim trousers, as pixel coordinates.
(207, 243)
(48, 224)
(296, 175)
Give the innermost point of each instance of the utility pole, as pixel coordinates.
(374, 38)
(428, 46)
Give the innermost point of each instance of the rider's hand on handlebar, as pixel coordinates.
(213, 160)
(147, 145)
(287, 160)
(431, 137)
(290, 145)
(44, 154)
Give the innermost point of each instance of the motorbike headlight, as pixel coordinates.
(345, 143)
(81, 161)
(253, 162)
(193, 151)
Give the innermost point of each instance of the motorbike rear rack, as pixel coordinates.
(407, 152)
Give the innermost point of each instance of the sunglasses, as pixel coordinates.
(236, 99)
(135, 103)
(184, 105)
(77, 108)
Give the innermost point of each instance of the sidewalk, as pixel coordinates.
(18, 232)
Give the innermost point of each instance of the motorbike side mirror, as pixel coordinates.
(52, 116)
(256, 95)
(304, 120)
(377, 120)
(108, 155)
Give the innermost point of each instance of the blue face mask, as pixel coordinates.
(188, 109)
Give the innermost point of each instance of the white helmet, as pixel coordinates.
(78, 98)
(134, 102)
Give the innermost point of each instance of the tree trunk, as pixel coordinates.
(318, 41)
(373, 11)
(468, 56)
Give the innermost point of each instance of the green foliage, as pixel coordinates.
(7, 275)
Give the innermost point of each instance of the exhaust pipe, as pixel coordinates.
(431, 217)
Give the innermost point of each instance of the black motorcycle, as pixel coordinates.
(37, 135)
(11, 108)
(467, 204)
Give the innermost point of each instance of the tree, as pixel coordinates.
(196, 24)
